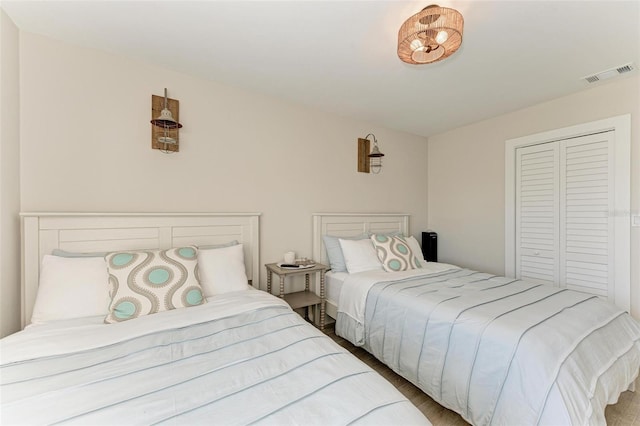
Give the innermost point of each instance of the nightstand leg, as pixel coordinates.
(322, 301)
(268, 281)
(282, 286)
(306, 309)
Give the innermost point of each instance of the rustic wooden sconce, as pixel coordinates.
(369, 160)
(165, 114)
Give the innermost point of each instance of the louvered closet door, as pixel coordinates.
(537, 213)
(586, 200)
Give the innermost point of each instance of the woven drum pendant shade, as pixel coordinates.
(430, 35)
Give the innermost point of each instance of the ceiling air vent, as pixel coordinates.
(624, 68)
(613, 72)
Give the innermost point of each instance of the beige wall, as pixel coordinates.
(85, 137)
(85, 147)
(9, 177)
(466, 174)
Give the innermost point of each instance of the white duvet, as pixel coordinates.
(242, 358)
(355, 289)
(496, 350)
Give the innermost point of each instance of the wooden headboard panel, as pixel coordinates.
(352, 224)
(104, 232)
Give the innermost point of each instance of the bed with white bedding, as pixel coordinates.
(495, 350)
(242, 357)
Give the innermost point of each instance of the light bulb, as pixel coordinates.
(442, 37)
(416, 44)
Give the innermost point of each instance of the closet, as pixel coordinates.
(567, 203)
(564, 232)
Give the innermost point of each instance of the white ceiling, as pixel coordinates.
(340, 56)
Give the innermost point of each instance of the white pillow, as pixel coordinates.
(222, 270)
(359, 255)
(71, 288)
(414, 245)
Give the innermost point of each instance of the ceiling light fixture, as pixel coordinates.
(430, 35)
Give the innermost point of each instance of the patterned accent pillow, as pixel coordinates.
(394, 253)
(146, 282)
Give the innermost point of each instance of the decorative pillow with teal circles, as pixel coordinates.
(147, 282)
(394, 253)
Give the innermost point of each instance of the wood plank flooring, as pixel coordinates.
(625, 413)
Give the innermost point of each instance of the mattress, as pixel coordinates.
(243, 357)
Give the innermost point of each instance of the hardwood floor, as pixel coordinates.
(625, 413)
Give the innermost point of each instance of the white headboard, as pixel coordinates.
(103, 232)
(352, 224)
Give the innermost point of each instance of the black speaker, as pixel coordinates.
(430, 246)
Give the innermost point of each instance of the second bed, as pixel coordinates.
(494, 349)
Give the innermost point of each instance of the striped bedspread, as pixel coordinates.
(496, 350)
(243, 358)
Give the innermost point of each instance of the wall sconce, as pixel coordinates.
(164, 132)
(369, 162)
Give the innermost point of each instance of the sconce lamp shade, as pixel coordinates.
(375, 158)
(165, 120)
(375, 152)
(431, 35)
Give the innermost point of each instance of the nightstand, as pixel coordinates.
(301, 299)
